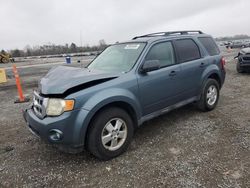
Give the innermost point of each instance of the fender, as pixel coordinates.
(212, 69)
(105, 97)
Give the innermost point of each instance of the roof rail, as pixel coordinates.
(169, 33)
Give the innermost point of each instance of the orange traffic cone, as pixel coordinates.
(21, 98)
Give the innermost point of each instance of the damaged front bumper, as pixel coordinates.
(65, 131)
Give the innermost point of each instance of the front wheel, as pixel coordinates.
(110, 133)
(209, 96)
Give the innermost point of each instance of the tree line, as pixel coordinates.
(235, 37)
(52, 49)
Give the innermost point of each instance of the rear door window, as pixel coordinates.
(187, 50)
(163, 52)
(209, 45)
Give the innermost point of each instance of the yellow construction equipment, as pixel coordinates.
(3, 78)
(5, 57)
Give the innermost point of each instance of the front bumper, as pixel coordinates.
(244, 61)
(71, 124)
(244, 65)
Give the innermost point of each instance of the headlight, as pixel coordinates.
(56, 107)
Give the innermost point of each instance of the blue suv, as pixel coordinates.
(100, 106)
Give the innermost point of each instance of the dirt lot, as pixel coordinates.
(184, 148)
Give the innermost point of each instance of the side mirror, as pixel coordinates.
(150, 65)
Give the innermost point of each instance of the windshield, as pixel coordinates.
(118, 58)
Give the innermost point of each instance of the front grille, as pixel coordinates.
(39, 105)
(246, 58)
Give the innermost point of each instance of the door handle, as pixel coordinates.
(172, 73)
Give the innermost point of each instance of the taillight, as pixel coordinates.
(223, 62)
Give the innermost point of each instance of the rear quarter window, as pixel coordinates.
(187, 50)
(209, 45)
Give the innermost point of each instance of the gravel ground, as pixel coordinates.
(184, 148)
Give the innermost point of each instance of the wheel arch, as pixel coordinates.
(119, 104)
(216, 77)
(212, 72)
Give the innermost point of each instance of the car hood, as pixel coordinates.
(61, 79)
(245, 50)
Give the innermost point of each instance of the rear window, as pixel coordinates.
(187, 50)
(210, 45)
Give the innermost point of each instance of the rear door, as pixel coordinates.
(160, 88)
(192, 66)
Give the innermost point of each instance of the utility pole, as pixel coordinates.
(81, 38)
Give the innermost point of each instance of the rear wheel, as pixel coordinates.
(110, 133)
(210, 95)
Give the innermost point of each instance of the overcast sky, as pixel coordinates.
(36, 22)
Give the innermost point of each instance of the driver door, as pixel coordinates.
(160, 88)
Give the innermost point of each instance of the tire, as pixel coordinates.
(238, 68)
(209, 99)
(104, 133)
(4, 60)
